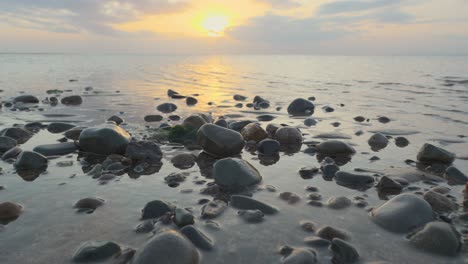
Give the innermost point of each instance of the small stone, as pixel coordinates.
(184, 160)
(253, 132)
(353, 181)
(288, 136)
(247, 203)
(359, 119)
(29, 160)
(93, 251)
(72, 100)
(191, 101)
(197, 237)
(301, 256)
(454, 176)
(213, 209)
(156, 209)
(310, 122)
(308, 226)
(343, 252)
(7, 143)
(334, 147)
(117, 119)
(290, 197)
(153, 118)
(268, 147)
(89, 204)
(145, 226)
(432, 154)
(220, 141)
(183, 217)
(235, 174)
(9, 212)
(439, 238)
(19, 134)
(301, 107)
(401, 142)
(439, 202)
(251, 216)
(308, 172)
(166, 108)
(329, 233)
(314, 241)
(340, 202)
(238, 97)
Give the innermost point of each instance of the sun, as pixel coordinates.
(215, 25)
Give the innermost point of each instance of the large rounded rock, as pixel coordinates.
(29, 160)
(288, 136)
(335, 147)
(235, 174)
(439, 238)
(253, 132)
(403, 213)
(26, 99)
(72, 100)
(220, 141)
(104, 139)
(301, 107)
(432, 154)
(7, 143)
(167, 247)
(19, 134)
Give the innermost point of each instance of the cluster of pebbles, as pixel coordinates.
(429, 220)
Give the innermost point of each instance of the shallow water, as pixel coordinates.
(425, 98)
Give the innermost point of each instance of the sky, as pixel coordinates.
(339, 27)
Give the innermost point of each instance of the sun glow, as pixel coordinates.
(215, 25)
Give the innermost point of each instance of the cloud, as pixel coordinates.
(286, 4)
(354, 6)
(95, 16)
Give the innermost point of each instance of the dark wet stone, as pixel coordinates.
(12, 153)
(167, 247)
(268, 147)
(440, 203)
(26, 99)
(432, 154)
(239, 125)
(328, 109)
(58, 127)
(402, 213)
(301, 107)
(454, 176)
(265, 118)
(143, 151)
(117, 119)
(253, 132)
(235, 174)
(9, 212)
(329, 233)
(401, 142)
(308, 226)
(171, 92)
(315, 196)
(377, 141)
(288, 136)
(93, 251)
(333, 135)
(184, 160)
(314, 241)
(197, 237)
(359, 119)
(343, 252)
(389, 185)
(213, 209)
(191, 101)
(145, 226)
(340, 202)
(251, 216)
(437, 238)
(334, 147)
(353, 181)
(7, 143)
(238, 97)
(19, 134)
(183, 217)
(156, 209)
(271, 130)
(329, 170)
(196, 121)
(89, 203)
(153, 118)
(74, 133)
(220, 141)
(383, 119)
(310, 122)
(29, 160)
(166, 108)
(308, 172)
(58, 149)
(104, 139)
(34, 126)
(221, 122)
(335, 124)
(72, 100)
(301, 256)
(247, 203)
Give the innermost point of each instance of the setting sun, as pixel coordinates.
(215, 25)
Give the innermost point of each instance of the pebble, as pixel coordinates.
(310, 122)
(290, 197)
(329, 233)
(213, 209)
(308, 172)
(153, 118)
(7, 143)
(301, 107)
(19, 134)
(9, 211)
(116, 119)
(253, 132)
(184, 161)
(191, 101)
(314, 241)
(340, 202)
(401, 142)
(143, 151)
(58, 149)
(26, 99)
(308, 226)
(197, 237)
(251, 216)
(166, 108)
(439, 202)
(183, 217)
(437, 238)
(334, 147)
(93, 251)
(235, 174)
(29, 160)
(343, 252)
(247, 203)
(268, 147)
(432, 154)
(402, 213)
(156, 209)
(454, 176)
(378, 141)
(88, 204)
(72, 100)
(167, 247)
(353, 181)
(301, 256)
(288, 136)
(220, 141)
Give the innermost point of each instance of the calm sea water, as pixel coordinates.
(425, 97)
